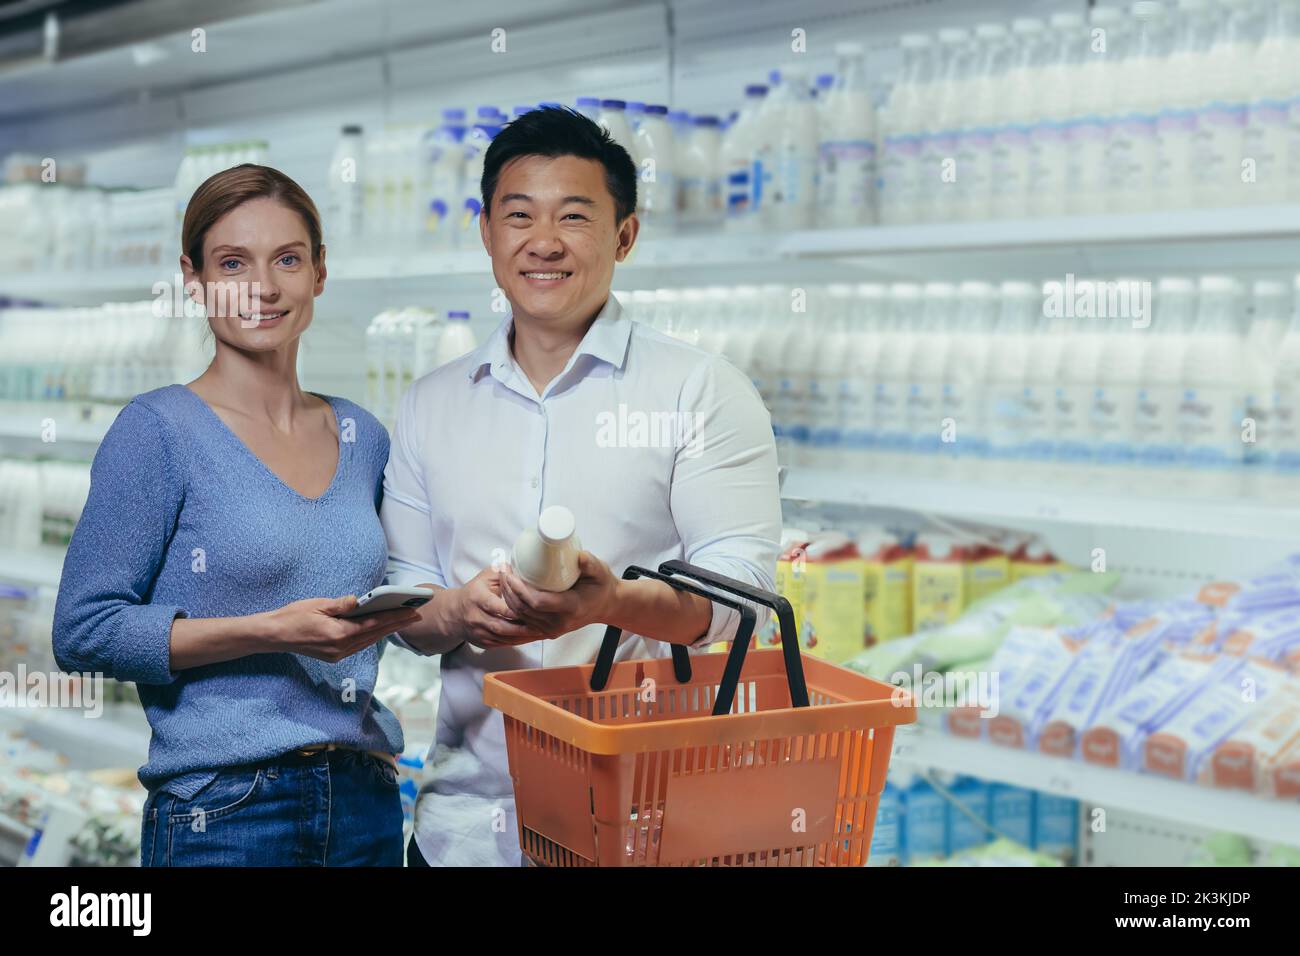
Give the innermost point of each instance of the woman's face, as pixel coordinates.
(258, 281)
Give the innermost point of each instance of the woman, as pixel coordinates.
(223, 515)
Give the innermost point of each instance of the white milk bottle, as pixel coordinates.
(346, 198)
(588, 106)
(865, 319)
(890, 378)
(1267, 133)
(902, 129)
(656, 160)
(1286, 408)
(457, 338)
(376, 341)
(788, 156)
(1076, 380)
(1134, 153)
(1012, 143)
(1115, 400)
(739, 159)
(768, 359)
(975, 149)
(1221, 116)
(1213, 370)
(847, 148)
(942, 181)
(964, 436)
(1291, 20)
(799, 352)
(1158, 424)
(828, 373)
(1270, 316)
(1183, 76)
(699, 187)
(477, 141)
(547, 556)
(925, 375)
(1006, 368)
(1090, 128)
(1064, 48)
(613, 116)
(441, 190)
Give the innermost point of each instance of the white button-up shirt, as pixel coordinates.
(660, 449)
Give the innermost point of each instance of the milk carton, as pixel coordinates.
(887, 586)
(939, 587)
(833, 607)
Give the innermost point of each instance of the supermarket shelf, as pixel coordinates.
(118, 738)
(43, 567)
(1233, 517)
(1275, 821)
(1262, 236)
(78, 428)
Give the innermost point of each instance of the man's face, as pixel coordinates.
(554, 237)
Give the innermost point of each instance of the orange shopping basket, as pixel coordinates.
(703, 761)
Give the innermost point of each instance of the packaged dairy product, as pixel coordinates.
(1063, 52)
(927, 369)
(1226, 90)
(477, 141)
(547, 556)
(1029, 687)
(1056, 826)
(938, 581)
(847, 145)
(440, 187)
(1115, 399)
(828, 375)
(833, 606)
(925, 829)
(787, 155)
(988, 570)
(613, 116)
(1006, 388)
(887, 833)
(975, 142)
(903, 122)
(1133, 154)
(1011, 812)
(942, 183)
(347, 202)
(739, 161)
(863, 338)
(588, 106)
(1090, 128)
(968, 817)
(656, 161)
(790, 577)
(1181, 82)
(1076, 385)
(1033, 558)
(700, 187)
(1013, 137)
(892, 376)
(887, 586)
(1213, 370)
(455, 340)
(1157, 426)
(963, 431)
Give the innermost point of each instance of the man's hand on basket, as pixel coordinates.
(484, 617)
(591, 600)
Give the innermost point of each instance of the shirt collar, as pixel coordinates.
(606, 341)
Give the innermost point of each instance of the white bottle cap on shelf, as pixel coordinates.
(556, 524)
(1184, 284)
(953, 35)
(990, 31)
(915, 41)
(1063, 20)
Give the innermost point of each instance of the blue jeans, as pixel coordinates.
(331, 809)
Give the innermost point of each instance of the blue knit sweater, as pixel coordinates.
(184, 520)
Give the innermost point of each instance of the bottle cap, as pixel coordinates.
(556, 524)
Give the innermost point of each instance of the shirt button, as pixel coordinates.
(535, 482)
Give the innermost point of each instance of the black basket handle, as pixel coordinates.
(784, 618)
(681, 658)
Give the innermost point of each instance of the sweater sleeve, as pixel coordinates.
(104, 621)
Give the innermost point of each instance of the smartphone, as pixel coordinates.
(389, 598)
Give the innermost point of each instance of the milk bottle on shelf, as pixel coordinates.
(1158, 424)
(656, 169)
(788, 156)
(1267, 124)
(1090, 128)
(828, 372)
(1286, 408)
(892, 376)
(1213, 371)
(1005, 369)
(1012, 141)
(858, 431)
(798, 355)
(963, 432)
(1133, 149)
(902, 127)
(440, 191)
(1076, 381)
(768, 361)
(925, 375)
(700, 189)
(613, 116)
(1045, 343)
(1115, 400)
(942, 184)
(847, 150)
(456, 339)
(477, 141)
(1271, 314)
(1221, 117)
(1183, 74)
(1064, 48)
(975, 143)
(739, 160)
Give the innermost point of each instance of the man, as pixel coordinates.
(547, 412)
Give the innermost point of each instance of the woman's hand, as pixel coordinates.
(315, 628)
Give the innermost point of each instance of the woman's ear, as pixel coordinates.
(320, 273)
(193, 285)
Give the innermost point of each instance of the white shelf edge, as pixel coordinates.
(43, 568)
(988, 499)
(1274, 821)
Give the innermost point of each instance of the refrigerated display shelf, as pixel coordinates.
(1276, 821)
(14, 837)
(119, 738)
(1268, 235)
(71, 431)
(1064, 504)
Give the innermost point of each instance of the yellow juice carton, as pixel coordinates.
(988, 570)
(790, 566)
(834, 615)
(887, 586)
(938, 582)
(1033, 558)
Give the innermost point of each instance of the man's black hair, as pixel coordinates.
(560, 131)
